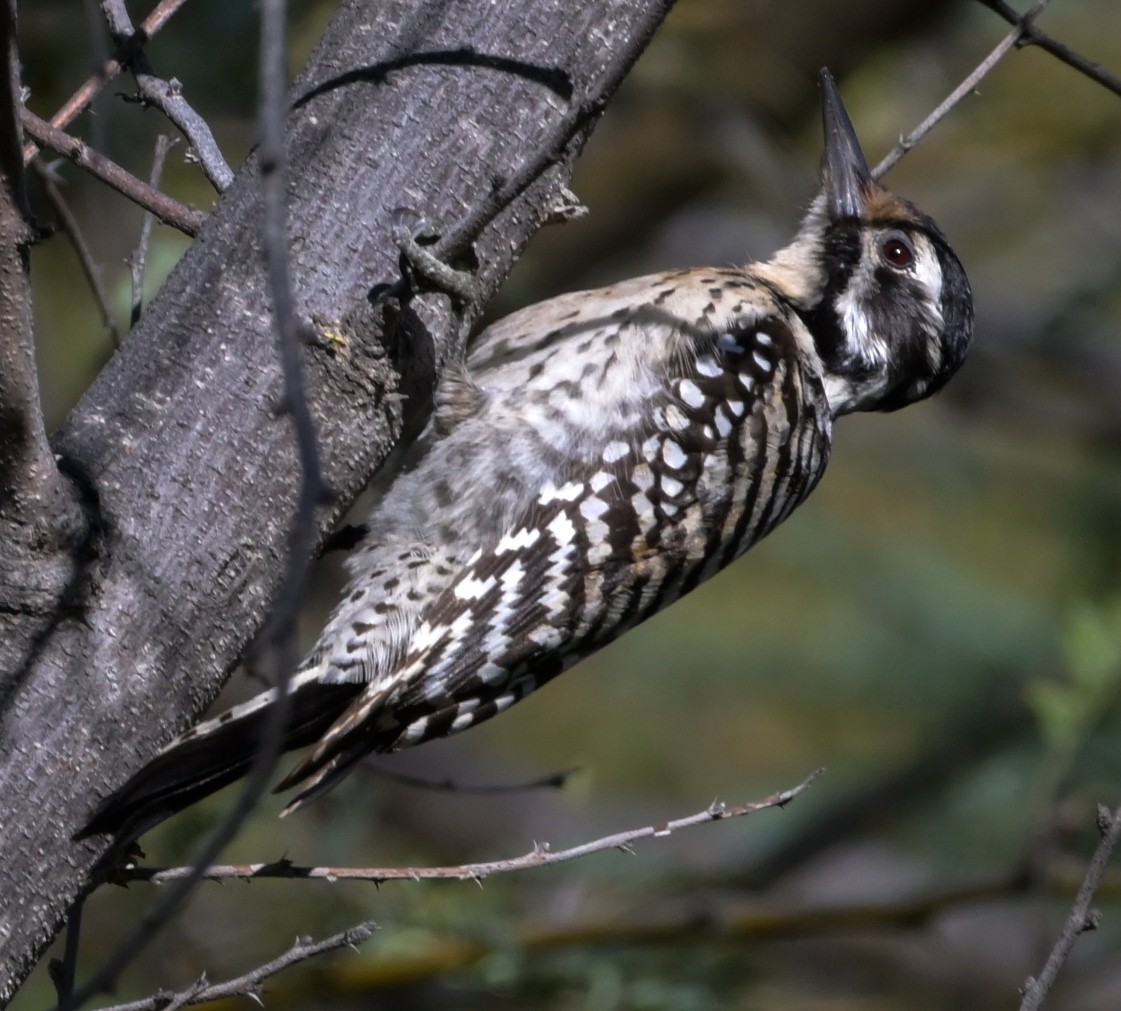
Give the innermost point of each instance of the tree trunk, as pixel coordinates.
(179, 450)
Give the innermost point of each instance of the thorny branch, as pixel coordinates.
(1082, 917)
(249, 984)
(540, 856)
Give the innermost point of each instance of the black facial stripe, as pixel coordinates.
(840, 254)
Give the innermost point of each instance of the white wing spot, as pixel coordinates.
(491, 673)
(461, 722)
(671, 486)
(643, 477)
(673, 455)
(593, 508)
(764, 339)
(691, 393)
(762, 361)
(562, 529)
(723, 424)
(524, 538)
(736, 407)
(708, 366)
(472, 588)
(600, 480)
(569, 492)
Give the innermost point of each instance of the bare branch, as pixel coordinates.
(167, 96)
(1010, 41)
(73, 232)
(540, 856)
(1033, 36)
(169, 211)
(82, 98)
(249, 984)
(139, 258)
(1081, 917)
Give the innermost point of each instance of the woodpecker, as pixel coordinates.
(592, 459)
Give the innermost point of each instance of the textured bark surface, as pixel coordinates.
(188, 469)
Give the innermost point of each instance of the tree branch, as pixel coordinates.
(169, 211)
(138, 260)
(73, 232)
(249, 984)
(280, 635)
(1081, 917)
(1033, 36)
(168, 98)
(1009, 42)
(540, 856)
(92, 86)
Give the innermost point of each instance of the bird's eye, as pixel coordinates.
(896, 250)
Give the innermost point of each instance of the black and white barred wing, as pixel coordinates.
(724, 454)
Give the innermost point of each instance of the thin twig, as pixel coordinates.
(139, 258)
(1033, 36)
(167, 96)
(249, 984)
(1081, 917)
(540, 856)
(169, 211)
(1007, 43)
(82, 98)
(73, 232)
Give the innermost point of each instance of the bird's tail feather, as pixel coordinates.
(214, 755)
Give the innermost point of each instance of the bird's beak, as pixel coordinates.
(846, 171)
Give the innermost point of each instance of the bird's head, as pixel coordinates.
(884, 296)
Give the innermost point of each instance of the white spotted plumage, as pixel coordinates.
(593, 458)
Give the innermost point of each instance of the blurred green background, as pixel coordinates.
(939, 626)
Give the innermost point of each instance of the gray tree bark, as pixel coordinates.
(183, 466)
